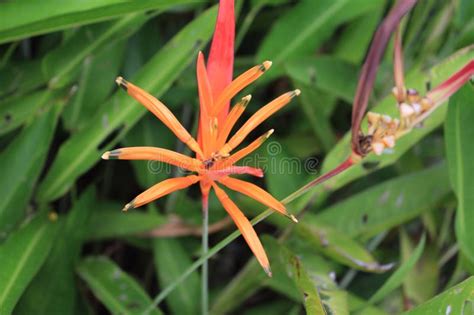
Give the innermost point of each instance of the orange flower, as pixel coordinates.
(214, 164)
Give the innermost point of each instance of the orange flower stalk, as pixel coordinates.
(214, 164)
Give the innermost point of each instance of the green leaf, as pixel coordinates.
(387, 204)
(396, 279)
(117, 290)
(53, 290)
(353, 43)
(338, 246)
(421, 282)
(83, 150)
(96, 82)
(28, 18)
(110, 222)
(312, 300)
(328, 73)
(19, 78)
(302, 29)
(23, 160)
(459, 134)
(60, 66)
(457, 300)
(22, 255)
(172, 259)
(16, 111)
(319, 293)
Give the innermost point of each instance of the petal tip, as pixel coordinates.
(268, 271)
(122, 83)
(106, 155)
(293, 218)
(266, 65)
(246, 100)
(296, 92)
(129, 205)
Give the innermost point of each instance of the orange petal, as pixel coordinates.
(257, 193)
(245, 228)
(218, 173)
(160, 111)
(154, 154)
(161, 189)
(231, 119)
(234, 158)
(256, 119)
(206, 104)
(238, 84)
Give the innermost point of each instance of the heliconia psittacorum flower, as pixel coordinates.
(215, 163)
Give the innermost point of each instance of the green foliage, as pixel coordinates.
(22, 256)
(119, 292)
(459, 133)
(389, 235)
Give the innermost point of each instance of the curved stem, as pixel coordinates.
(205, 250)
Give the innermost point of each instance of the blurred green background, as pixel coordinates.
(65, 245)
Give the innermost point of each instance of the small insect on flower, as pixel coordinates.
(215, 162)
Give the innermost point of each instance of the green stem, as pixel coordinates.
(215, 249)
(205, 250)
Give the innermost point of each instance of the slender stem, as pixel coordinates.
(219, 246)
(205, 250)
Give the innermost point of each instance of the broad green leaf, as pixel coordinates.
(302, 29)
(421, 282)
(60, 66)
(459, 150)
(396, 279)
(96, 82)
(110, 222)
(319, 293)
(308, 289)
(28, 18)
(338, 246)
(457, 300)
(356, 303)
(20, 77)
(22, 255)
(352, 44)
(387, 204)
(53, 290)
(83, 150)
(262, 3)
(23, 161)
(16, 111)
(276, 307)
(172, 259)
(283, 172)
(116, 289)
(243, 285)
(328, 73)
(317, 106)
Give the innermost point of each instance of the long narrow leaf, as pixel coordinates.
(21, 257)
